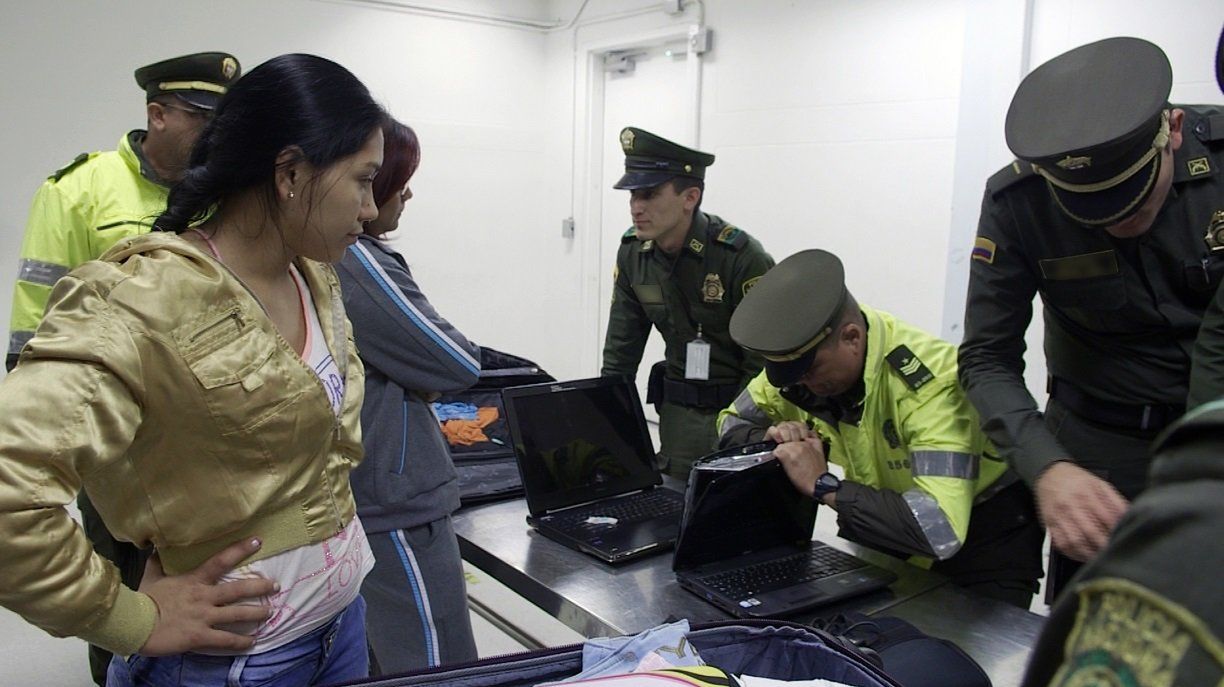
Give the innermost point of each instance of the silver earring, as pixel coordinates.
(291, 194)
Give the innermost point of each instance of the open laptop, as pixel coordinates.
(588, 468)
(746, 544)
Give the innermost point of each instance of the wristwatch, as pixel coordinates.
(826, 484)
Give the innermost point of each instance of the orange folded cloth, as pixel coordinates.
(468, 432)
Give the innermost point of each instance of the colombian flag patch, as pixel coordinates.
(984, 250)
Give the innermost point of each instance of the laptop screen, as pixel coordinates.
(579, 441)
(735, 513)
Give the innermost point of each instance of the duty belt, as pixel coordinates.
(1147, 418)
(699, 395)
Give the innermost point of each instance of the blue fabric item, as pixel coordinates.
(454, 411)
(619, 655)
(331, 654)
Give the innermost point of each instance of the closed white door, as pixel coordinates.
(654, 96)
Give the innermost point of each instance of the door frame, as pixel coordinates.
(588, 165)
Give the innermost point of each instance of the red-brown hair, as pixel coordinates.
(401, 156)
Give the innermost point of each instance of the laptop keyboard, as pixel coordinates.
(639, 507)
(818, 563)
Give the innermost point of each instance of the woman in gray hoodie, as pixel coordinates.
(406, 487)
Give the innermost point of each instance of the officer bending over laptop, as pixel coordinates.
(853, 385)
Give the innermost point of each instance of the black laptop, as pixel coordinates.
(588, 468)
(746, 544)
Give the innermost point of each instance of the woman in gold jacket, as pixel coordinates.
(201, 384)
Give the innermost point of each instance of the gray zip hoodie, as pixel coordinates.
(407, 478)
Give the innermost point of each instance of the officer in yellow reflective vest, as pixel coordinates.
(100, 198)
(847, 384)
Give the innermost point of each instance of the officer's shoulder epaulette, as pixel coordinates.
(76, 162)
(733, 236)
(912, 370)
(629, 235)
(1007, 176)
(1209, 124)
(1204, 422)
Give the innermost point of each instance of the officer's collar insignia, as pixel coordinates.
(1078, 162)
(1215, 231)
(1198, 166)
(911, 369)
(712, 290)
(648, 244)
(749, 283)
(696, 246)
(229, 67)
(627, 140)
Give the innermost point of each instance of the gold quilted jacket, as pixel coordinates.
(157, 382)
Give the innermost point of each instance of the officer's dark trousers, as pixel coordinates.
(1001, 557)
(685, 434)
(128, 558)
(1119, 456)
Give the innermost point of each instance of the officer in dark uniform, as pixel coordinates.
(1103, 214)
(1207, 372)
(1150, 609)
(682, 271)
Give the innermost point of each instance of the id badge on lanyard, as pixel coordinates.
(697, 358)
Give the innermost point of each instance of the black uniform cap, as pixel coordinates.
(199, 79)
(790, 311)
(651, 160)
(1092, 122)
(1220, 61)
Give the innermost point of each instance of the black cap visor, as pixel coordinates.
(636, 180)
(788, 373)
(1111, 205)
(203, 100)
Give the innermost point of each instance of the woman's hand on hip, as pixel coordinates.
(191, 606)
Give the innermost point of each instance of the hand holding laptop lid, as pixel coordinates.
(804, 461)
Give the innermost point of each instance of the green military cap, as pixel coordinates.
(199, 79)
(789, 311)
(651, 160)
(1093, 122)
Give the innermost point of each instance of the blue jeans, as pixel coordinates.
(328, 655)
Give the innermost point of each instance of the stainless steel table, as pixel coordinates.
(596, 599)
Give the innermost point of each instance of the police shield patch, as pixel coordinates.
(1130, 636)
(890, 433)
(712, 289)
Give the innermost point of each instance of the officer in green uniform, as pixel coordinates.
(848, 384)
(1149, 610)
(684, 272)
(100, 198)
(1103, 214)
(1207, 370)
